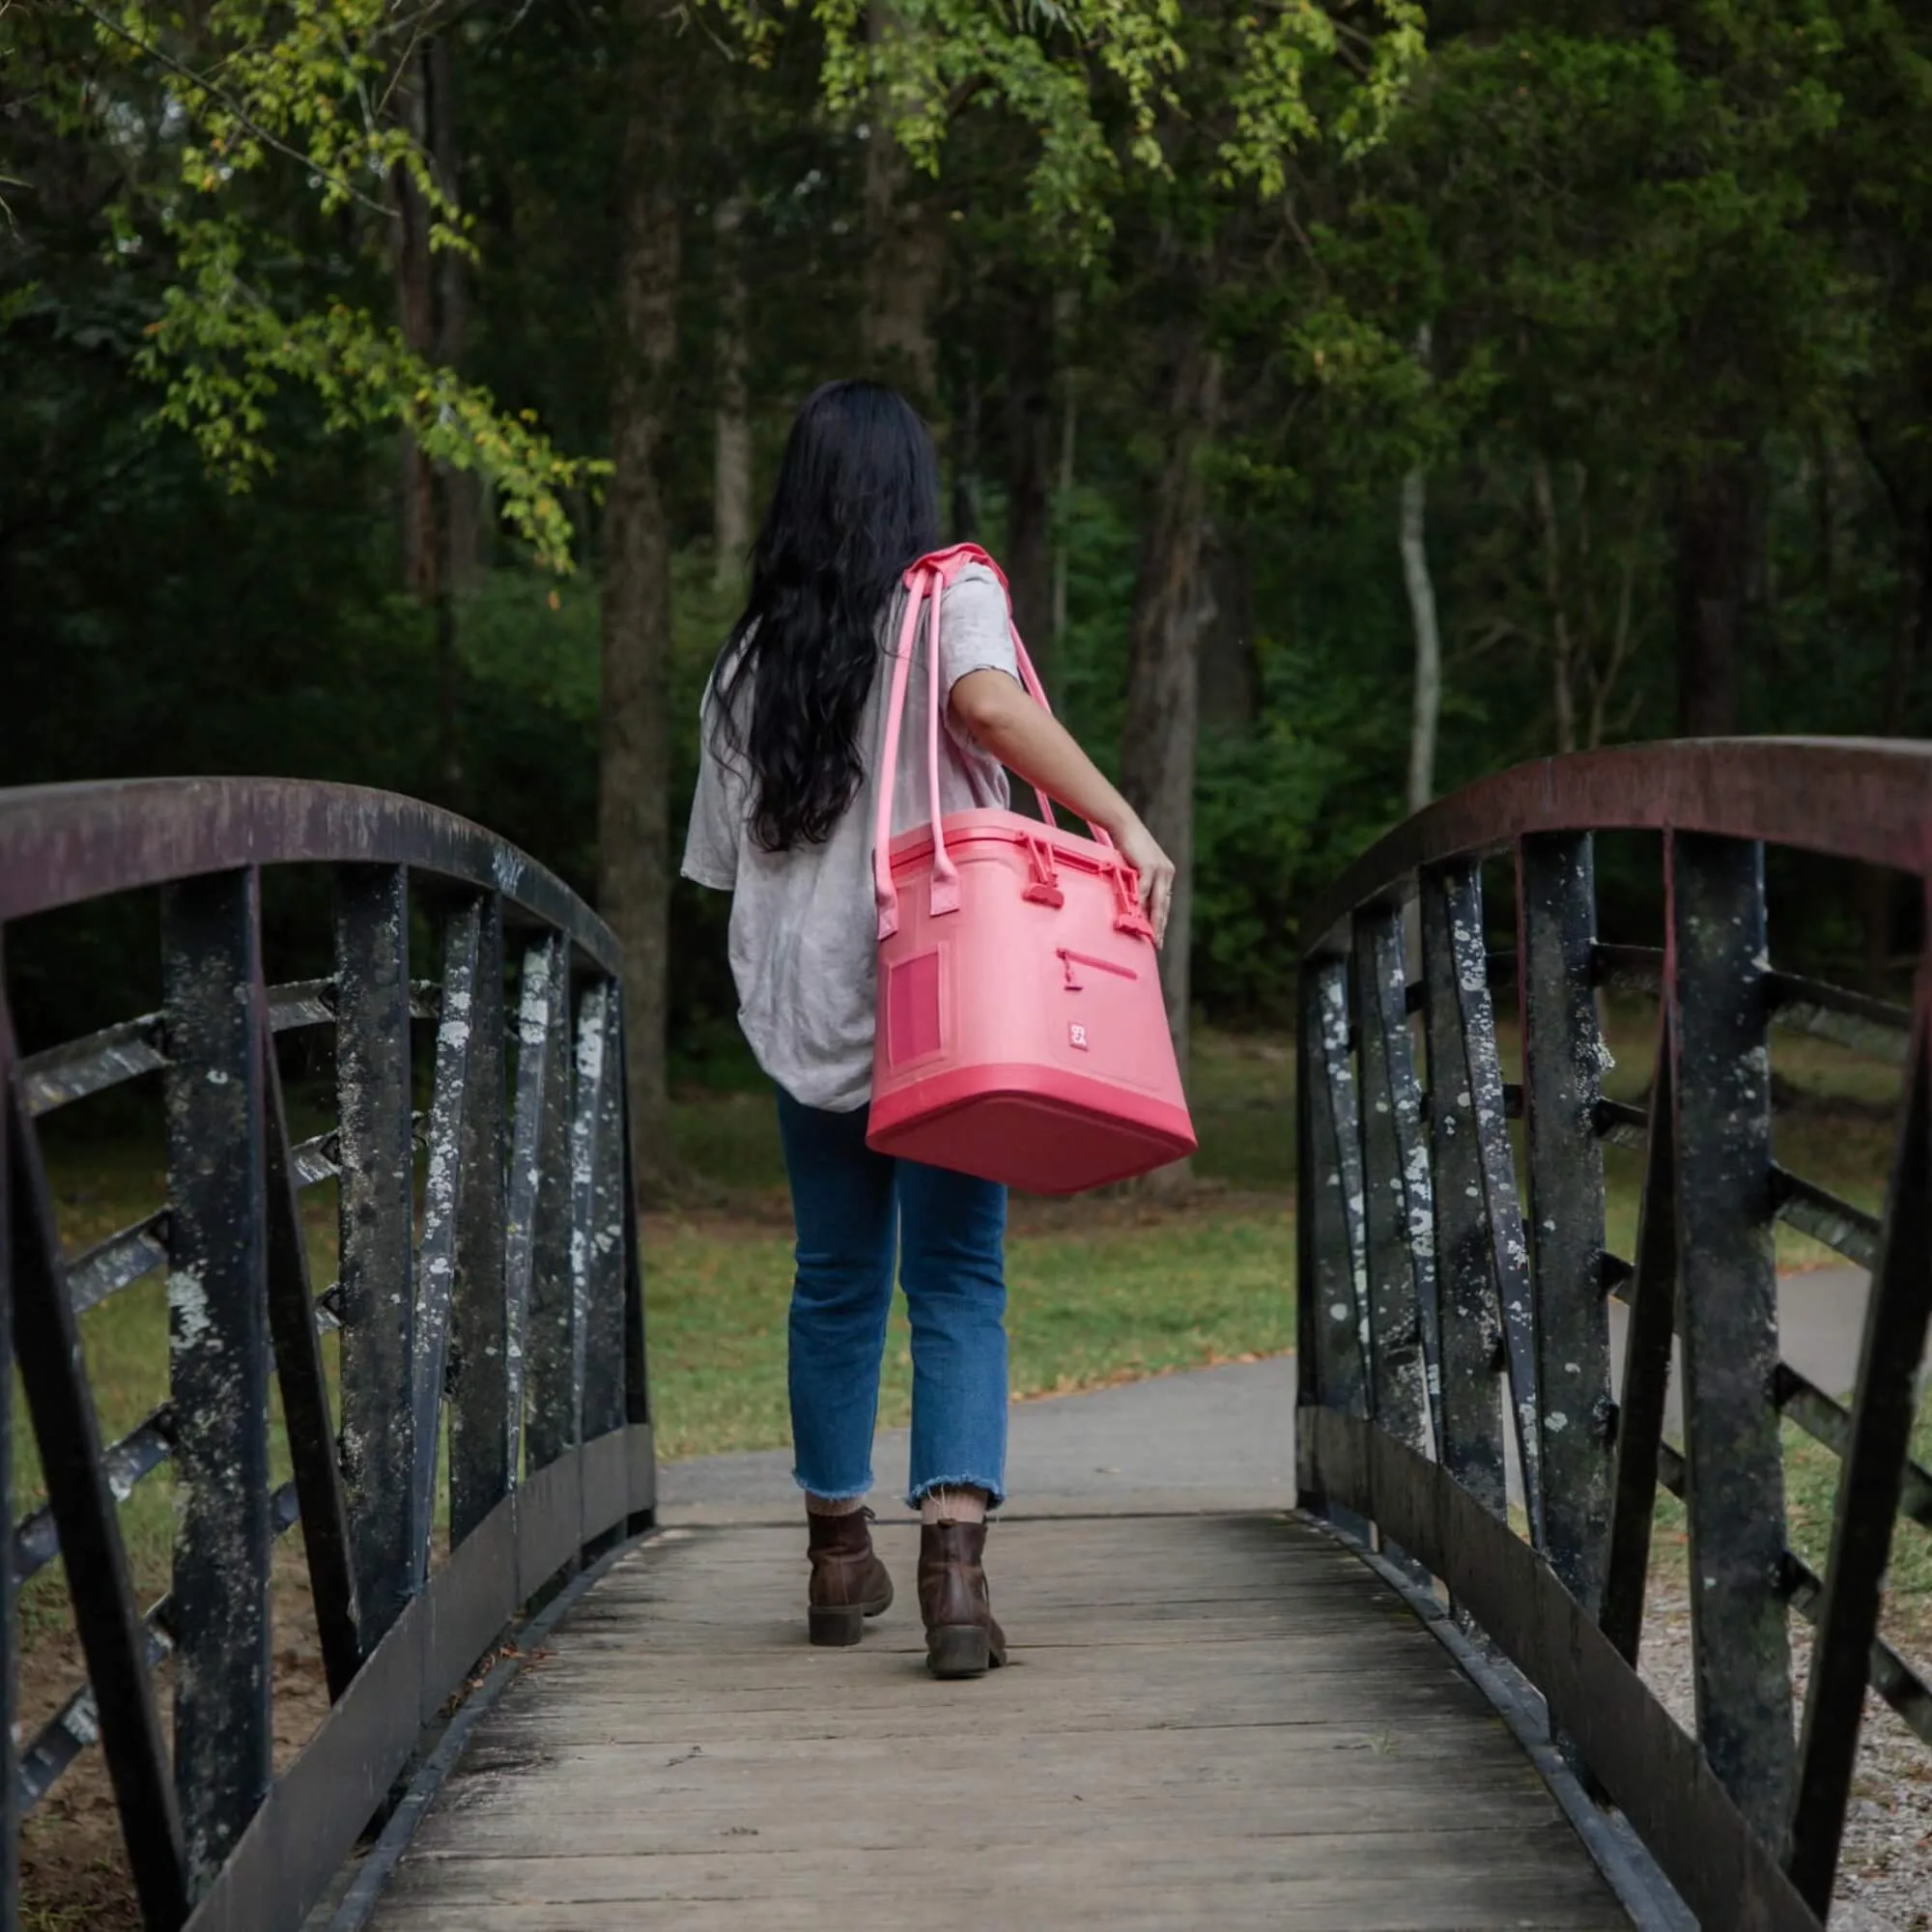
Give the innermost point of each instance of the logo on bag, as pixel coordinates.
(1076, 1035)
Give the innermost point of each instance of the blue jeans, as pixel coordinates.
(857, 1214)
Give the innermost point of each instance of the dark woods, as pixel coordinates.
(1591, 339)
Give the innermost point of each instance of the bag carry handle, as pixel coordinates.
(926, 580)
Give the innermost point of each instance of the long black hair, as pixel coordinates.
(856, 500)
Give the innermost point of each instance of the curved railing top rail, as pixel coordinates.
(1853, 798)
(62, 844)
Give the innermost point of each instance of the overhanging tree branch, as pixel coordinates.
(230, 105)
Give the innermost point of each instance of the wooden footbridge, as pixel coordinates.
(1409, 1702)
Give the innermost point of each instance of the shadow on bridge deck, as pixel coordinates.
(1209, 1718)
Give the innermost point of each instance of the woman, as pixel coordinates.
(782, 820)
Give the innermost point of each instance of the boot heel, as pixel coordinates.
(958, 1650)
(839, 1624)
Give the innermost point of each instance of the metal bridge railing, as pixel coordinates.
(488, 1305)
(1439, 1307)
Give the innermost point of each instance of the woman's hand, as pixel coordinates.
(1156, 875)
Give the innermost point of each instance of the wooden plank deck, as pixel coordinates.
(1219, 1719)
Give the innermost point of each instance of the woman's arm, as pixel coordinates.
(1031, 741)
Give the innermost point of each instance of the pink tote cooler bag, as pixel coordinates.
(1022, 1034)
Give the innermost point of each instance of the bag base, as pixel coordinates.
(1037, 1129)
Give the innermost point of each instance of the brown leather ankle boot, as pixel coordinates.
(848, 1582)
(961, 1637)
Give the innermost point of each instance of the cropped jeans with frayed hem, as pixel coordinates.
(861, 1217)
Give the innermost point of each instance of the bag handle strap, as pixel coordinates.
(927, 579)
(885, 893)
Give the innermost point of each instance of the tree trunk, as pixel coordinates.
(1029, 470)
(1157, 749)
(1426, 708)
(1911, 584)
(414, 270)
(1604, 681)
(905, 256)
(1562, 644)
(439, 510)
(1712, 544)
(731, 491)
(634, 773)
(1824, 512)
(462, 532)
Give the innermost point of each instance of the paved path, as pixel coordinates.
(1220, 1439)
(1217, 1439)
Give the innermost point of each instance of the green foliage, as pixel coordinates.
(1287, 61)
(1101, 84)
(1043, 61)
(535, 642)
(221, 349)
(199, 104)
(1263, 835)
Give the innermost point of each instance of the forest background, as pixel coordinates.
(1361, 398)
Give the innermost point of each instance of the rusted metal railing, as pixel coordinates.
(487, 1303)
(1448, 1318)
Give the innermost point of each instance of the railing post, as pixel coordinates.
(304, 1387)
(1398, 1219)
(1479, 1243)
(376, 1216)
(597, 1233)
(1309, 1317)
(1334, 1270)
(540, 1210)
(538, 989)
(587, 1093)
(637, 1357)
(1563, 1058)
(479, 1391)
(218, 1349)
(1870, 1481)
(1646, 1383)
(46, 1343)
(443, 1213)
(1727, 1318)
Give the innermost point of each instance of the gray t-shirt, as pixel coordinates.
(804, 927)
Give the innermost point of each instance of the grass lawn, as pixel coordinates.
(1107, 1300)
